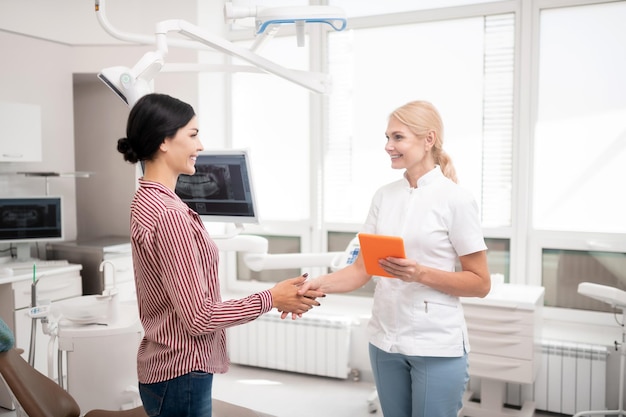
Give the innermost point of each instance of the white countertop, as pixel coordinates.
(26, 275)
(524, 297)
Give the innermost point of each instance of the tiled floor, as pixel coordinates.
(284, 394)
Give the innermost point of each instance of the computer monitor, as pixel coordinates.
(24, 220)
(221, 190)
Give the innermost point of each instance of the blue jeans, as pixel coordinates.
(188, 395)
(419, 386)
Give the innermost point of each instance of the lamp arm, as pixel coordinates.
(263, 261)
(316, 82)
(100, 7)
(195, 67)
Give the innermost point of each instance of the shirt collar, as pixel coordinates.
(428, 178)
(155, 185)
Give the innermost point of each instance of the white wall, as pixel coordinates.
(82, 120)
(39, 72)
(99, 121)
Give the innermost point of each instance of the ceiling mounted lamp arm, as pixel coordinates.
(100, 7)
(263, 38)
(193, 67)
(319, 83)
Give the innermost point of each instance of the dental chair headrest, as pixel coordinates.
(7, 340)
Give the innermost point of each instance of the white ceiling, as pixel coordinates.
(74, 22)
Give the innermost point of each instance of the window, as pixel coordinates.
(580, 144)
(270, 117)
(563, 270)
(580, 135)
(533, 100)
(463, 66)
(498, 258)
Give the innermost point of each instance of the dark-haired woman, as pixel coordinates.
(176, 268)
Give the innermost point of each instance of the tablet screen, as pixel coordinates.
(375, 247)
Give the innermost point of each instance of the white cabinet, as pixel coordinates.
(505, 338)
(91, 253)
(54, 283)
(20, 132)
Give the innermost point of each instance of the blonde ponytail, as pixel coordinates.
(445, 162)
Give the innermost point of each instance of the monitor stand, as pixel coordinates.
(23, 252)
(223, 230)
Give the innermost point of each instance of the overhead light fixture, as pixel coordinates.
(129, 84)
(268, 17)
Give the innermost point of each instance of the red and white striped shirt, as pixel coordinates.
(178, 292)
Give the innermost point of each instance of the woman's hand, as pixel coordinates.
(407, 270)
(473, 280)
(287, 298)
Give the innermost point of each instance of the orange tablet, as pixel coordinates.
(375, 247)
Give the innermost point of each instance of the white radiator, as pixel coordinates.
(313, 344)
(572, 378)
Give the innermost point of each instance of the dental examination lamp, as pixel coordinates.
(132, 83)
(267, 19)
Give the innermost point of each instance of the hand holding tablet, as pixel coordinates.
(375, 247)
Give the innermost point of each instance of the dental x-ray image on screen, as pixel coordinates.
(221, 189)
(211, 182)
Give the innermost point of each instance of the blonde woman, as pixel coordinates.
(418, 339)
(176, 268)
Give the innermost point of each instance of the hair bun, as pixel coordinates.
(124, 147)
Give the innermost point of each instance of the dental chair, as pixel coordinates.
(36, 395)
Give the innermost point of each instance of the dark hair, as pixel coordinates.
(152, 119)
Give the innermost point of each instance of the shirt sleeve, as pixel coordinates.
(191, 282)
(465, 230)
(370, 222)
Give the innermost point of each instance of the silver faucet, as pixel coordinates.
(102, 269)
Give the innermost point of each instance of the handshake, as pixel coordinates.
(288, 299)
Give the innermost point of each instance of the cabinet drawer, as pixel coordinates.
(505, 369)
(499, 329)
(500, 317)
(507, 346)
(50, 287)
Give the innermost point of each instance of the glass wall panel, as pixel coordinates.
(580, 135)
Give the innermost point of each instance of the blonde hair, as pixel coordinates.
(422, 117)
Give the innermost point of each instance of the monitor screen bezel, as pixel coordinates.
(247, 184)
(13, 237)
